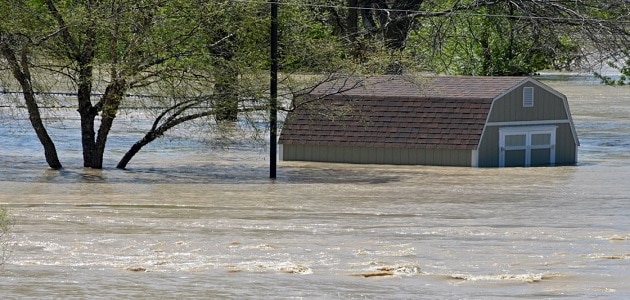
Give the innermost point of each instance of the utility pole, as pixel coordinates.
(273, 92)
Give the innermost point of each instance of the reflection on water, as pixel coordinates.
(189, 221)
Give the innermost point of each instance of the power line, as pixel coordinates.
(72, 94)
(424, 13)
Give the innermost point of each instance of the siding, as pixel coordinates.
(376, 155)
(489, 147)
(509, 108)
(565, 146)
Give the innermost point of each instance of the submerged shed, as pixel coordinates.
(443, 120)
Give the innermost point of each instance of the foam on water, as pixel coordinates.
(529, 278)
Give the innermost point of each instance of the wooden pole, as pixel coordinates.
(273, 91)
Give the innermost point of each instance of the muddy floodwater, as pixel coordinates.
(188, 220)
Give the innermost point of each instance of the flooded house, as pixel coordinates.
(442, 120)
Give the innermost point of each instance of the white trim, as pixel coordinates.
(546, 88)
(517, 85)
(528, 123)
(280, 152)
(500, 96)
(474, 160)
(528, 96)
(536, 83)
(566, 106)
(568, 113)
(528, 131)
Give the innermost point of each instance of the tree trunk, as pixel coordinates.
(111, 102)
(487, 68)
(394, 23)
(157, 130)
(149, 137)
(352, 26)
(87, 114)
(226, 81)
(21, 73)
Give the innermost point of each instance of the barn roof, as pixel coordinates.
(444, 112)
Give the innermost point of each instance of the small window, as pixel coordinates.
(528, 97)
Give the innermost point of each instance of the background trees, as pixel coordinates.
(498, 37)
(623, 66)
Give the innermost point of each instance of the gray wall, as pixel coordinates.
(547, 106)
(489, 147)
(565, 146)
(509, 108)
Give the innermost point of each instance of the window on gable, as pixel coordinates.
(528, 97)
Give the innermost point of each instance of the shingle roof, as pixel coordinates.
(394, 111)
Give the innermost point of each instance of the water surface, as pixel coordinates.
(189, 220)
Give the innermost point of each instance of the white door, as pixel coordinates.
(527, 146)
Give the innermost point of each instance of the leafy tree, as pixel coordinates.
(624, 70)
(15, 47)
(503, 37)
(203, 58)
(496, 40)
(108, 49)
(232, 62)
(361, 23)
(113, 45)
(520, 38)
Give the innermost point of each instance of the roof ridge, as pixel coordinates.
(447, 87)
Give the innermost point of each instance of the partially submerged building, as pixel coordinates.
(443, 120)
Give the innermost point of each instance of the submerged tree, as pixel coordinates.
(20, 69)
(233, 62)
(204, 59)
(106, 46)
(108, 49)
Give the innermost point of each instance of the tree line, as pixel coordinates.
(208, 59)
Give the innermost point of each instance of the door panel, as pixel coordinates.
(526, 146)
(541, 157)
(515, 158)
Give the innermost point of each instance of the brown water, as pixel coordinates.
(191, 222)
